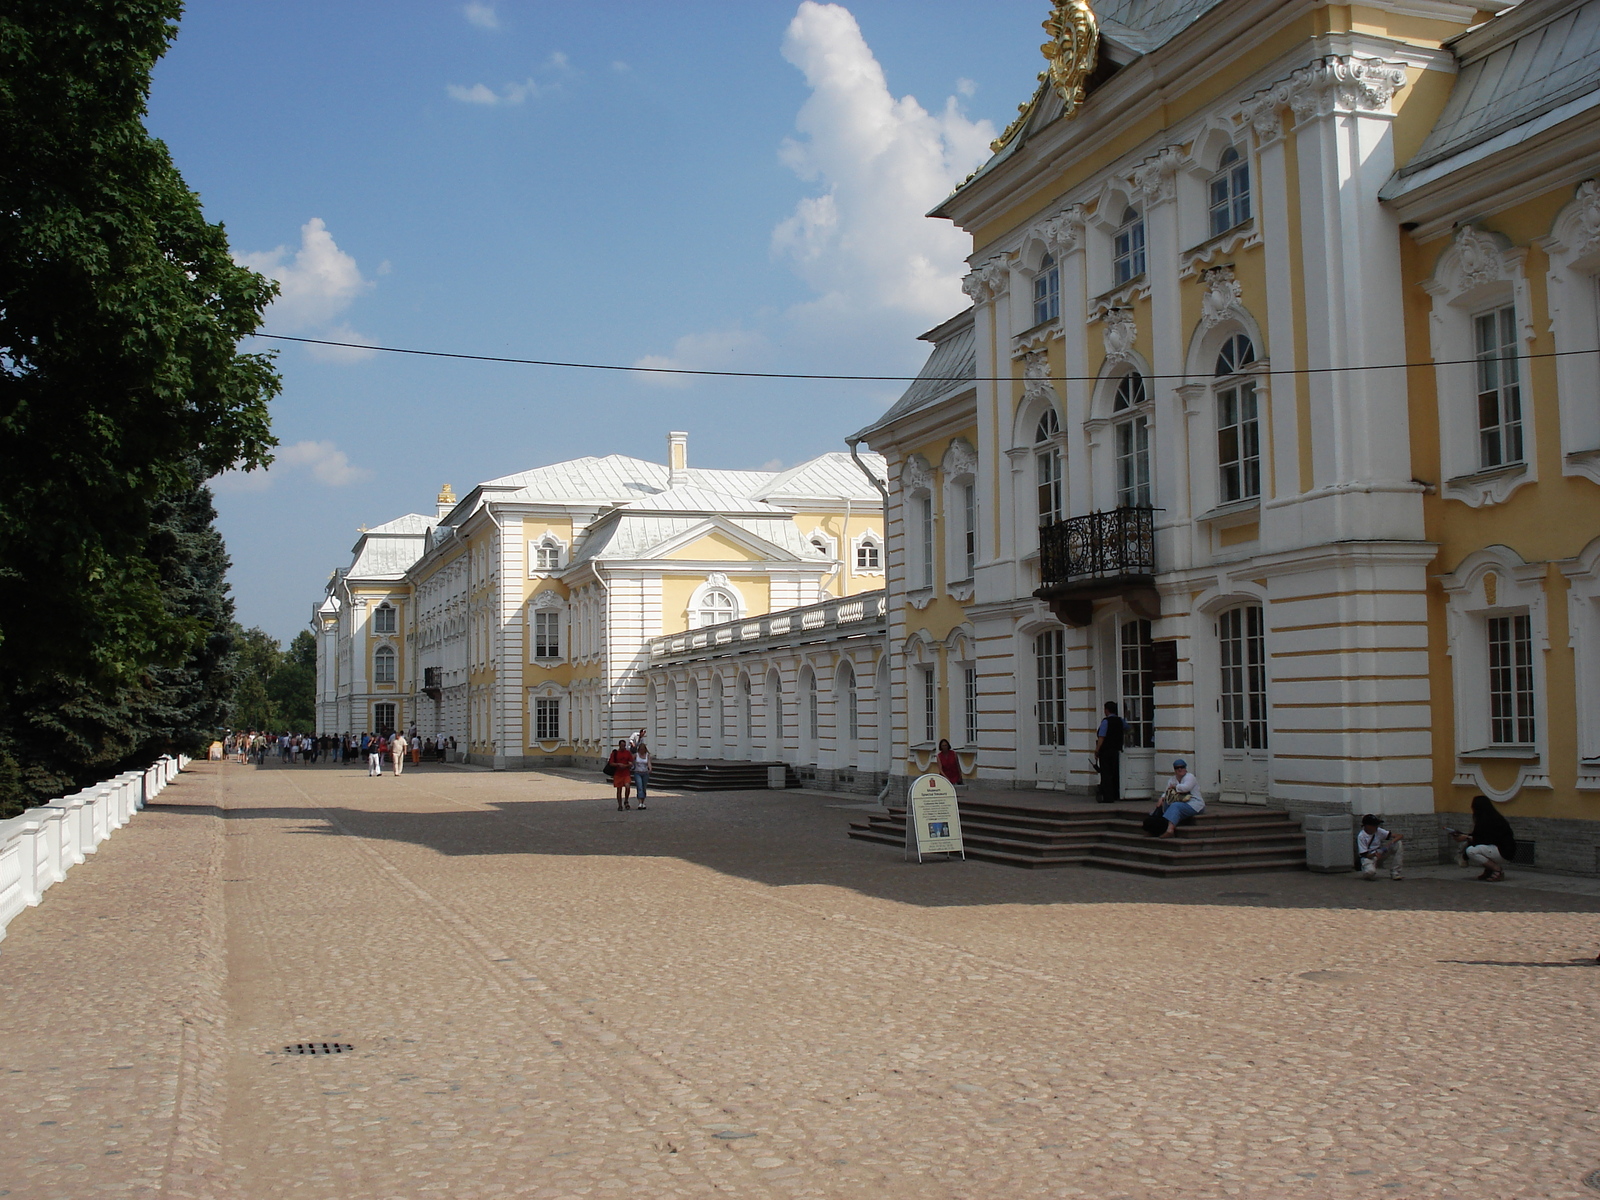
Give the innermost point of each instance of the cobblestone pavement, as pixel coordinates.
(723, 996)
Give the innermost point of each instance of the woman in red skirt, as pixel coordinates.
(621, 762)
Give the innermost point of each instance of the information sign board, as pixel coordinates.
(933, 819)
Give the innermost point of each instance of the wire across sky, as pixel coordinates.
(587, 366)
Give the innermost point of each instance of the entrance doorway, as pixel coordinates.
(1138, 707)
(1242, 632)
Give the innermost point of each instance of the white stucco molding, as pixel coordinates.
(1583, 624)
(1573, 288)
(987, 281)
(1342, 84)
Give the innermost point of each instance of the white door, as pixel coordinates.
(1243, 701)
(1051, 763)
(1138, 710)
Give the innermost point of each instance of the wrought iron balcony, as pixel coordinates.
(430, 682)
(1093, 557)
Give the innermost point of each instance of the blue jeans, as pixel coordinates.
(1177, 811)
(642, 780)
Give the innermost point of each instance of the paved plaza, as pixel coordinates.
(724, 996)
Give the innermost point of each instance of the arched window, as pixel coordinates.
(383, 619)
(823, 546)
(1047, 456)
(1238, 423)
(813, 716)
(747, 700)
(1132, 438)
(383, 665)
(547, 554)
(716, 605)
(1127, 249)
(869, 554)
(1230, 192)
(1047, 291)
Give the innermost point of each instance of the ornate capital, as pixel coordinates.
(1223, 298)
(1119, 331)
(1342, 83)
(986, 282)
(1263, 112)
(1072, 51)
(1062, 232)
(1153, 178)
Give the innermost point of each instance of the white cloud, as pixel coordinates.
(317, 283)
(557, 65)
(476, 94)
(342, 354)
(966, 87)
(863, 242)
(482, 15)
(719, 350)
(322, 461)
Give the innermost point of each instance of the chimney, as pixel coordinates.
(677, 459)
(447, 500)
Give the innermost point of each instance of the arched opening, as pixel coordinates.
(719, 733)
(772, 735)
(847, 714)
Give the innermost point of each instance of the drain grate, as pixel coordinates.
(319, 1048)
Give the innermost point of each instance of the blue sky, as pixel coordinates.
(725, 185)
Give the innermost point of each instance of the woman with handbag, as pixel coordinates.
(620, 767)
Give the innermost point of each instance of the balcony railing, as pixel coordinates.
(1109, 546)
(843, 616)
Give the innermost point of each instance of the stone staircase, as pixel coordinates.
(715, 775)
(1221, 840)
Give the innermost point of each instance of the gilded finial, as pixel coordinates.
(447, 495)
(361, 528)
(1073, 50)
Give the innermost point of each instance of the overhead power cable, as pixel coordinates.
(588, 366)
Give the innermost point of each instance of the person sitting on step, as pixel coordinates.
(1182, 798)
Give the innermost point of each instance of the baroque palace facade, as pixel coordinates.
(516, 619)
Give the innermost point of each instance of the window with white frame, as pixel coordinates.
(1238, 423)
(383, 619)
(1511, 720)
(1047, 465)
(969, 529)
(746, 699)
(1242, 635)
(1050, 678)
(869, 554)
(1127, 247)
(1494, 336)
(547, 719)
(969, 704)
(547, 554)
(383, 665)
(1047, 291)
(823, 544)
(1229, 192)
(715, 605)
(922, 514)
(383, 717)
(930, 704)
(1138, 683)
(546, 633)
(813, 708)
(1131, 436)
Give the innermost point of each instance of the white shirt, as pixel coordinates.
(1371, 843)
(1189, 786)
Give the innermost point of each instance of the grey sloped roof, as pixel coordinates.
(828, 476)
(950, 369)
(693, 499)
(1515, 68)
(391, 548)
(626, 534)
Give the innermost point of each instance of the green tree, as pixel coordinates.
(121, 383)
(256, 660)
(294, 684)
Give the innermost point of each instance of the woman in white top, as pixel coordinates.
(1182, 784)
(641, 770)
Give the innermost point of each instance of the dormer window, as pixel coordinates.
(1127, 247)
(383, 619)
(1230, 192)
(1047, 291)
(716, 605)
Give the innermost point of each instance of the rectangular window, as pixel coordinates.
(1133, 463)
(969, 694)
(546, 634)
(1244, 678)
(1050, 671)
(867, 557)
(1128, 251)
(383, 619)
(1511, 680)
(1499, 388)
(1138, 684)
(853, 710)
(547, 719)
(969, 528)
(1238, 443)
(382, 717)
(930, 706)
(1050, 498)
(1047, 292)
(925, 538)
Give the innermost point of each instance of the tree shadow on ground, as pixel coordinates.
(789, 839)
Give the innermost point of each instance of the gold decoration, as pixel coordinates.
(1491, 585)
(1023, 111)
(447, 495)
(1073, 49)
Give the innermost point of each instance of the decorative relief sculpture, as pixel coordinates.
(1588, 219)
(1061, 233)
(1343, 83)
(1223, 297)
(1073, 50)
(987, 281)
(1153, 178)
(915, 475)
(1036, 376)
(1120, 332)
(960, 459)
(1479, 256)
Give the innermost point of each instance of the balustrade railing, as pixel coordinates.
(841, 612)
(1102, 545)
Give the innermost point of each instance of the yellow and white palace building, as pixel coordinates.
(1275, 418)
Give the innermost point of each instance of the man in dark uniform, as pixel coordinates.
(1108, 752)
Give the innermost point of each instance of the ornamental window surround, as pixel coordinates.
(1238, 423)
(1127, 248)
(715, 606)
(1048, 469)
(869, 554)
(1047, 291)
(383, 619)
(383, 665)
(1228, 192)
(1511, 692)
(547, 633)
(547, 719)
(546, 554)
(1131, 441)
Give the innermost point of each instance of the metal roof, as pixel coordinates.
(1515, 68)
(831, 476)
(950, 369)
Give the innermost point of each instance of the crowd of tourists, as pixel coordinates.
(374, 750)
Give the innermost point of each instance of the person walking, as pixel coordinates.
(397, 751)
(641, 771)
(621, 764)
(375, 757)
(949, 764)
(1108, 753)
(1491, 844)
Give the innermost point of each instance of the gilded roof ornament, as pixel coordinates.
(447, 495)
(1073, 49)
